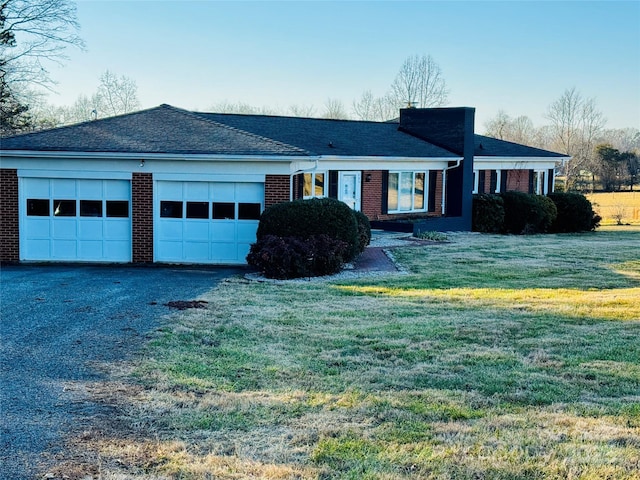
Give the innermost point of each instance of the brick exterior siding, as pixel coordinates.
(9, 228)
(518, 180)
(372, 194)
(142, 217)
(276, 189)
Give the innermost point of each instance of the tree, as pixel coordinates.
(611, 167)
(334, 109)
(576, 123)
(378, 109)
(115, 95)
(419, 83)
(34, 33)
(632, 160)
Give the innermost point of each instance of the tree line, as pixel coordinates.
(34, 33)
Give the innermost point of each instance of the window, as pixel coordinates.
(406, 192)
(37, 207)
(313, 185)
(170, 209)
(198, 210)
(90, 208)
(118, 208)
(224, 211)
(249, 211)
(64, 208)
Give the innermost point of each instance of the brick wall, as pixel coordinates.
(142, 217)
(438, 204)
(276, 189)
(372, 194)
(9, 228)
(518, 180)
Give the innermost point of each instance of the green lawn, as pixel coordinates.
(499, 357)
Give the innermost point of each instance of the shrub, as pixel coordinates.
(488, 213)
(364, 230)
(575, 213)
(307, 218)
(292, 257)
(526, 213)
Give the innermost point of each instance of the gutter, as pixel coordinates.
(444, 183)
(298, 172)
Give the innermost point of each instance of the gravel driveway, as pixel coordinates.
(57, 322)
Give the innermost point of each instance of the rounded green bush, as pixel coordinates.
(527, 213)
(575, 213)
(364, 230)
(488, 213)
(306, 218)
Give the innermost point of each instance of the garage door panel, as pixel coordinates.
(90, 229)
(38, 248)
(90, 249)
(37, 228)
(211, 227)
(90, 189)
(63, 188)
(77, 228)
(247, 231)
(117, 229)
(64, 249)
(197, 230)
(170, 190)
(117, 190)
(37, 188)
(64, 228)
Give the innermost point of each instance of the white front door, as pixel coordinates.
(349, 189)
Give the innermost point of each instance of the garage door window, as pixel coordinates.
(224, 211)
(170, 209)
(117, 208)
(91, 208)
(198, 210)
(37, 207)
(249, 211)
(64, 208)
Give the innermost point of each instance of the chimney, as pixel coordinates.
(452, 129)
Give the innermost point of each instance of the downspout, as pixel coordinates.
(298, 172)
(444, 183)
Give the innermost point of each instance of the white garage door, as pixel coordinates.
(206, 222)
(75, 219)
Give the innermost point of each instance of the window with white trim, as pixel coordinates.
(407, 192)
(314, 185)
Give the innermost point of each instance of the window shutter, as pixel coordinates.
(550, 180)
(481, 180)
(433, 180)
(503, 180)
(385, 192)
(493, 181)
(333, 184)
(531, 175)
(299, 187)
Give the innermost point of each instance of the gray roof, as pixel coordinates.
(163, 129)
(493, 147)
(334, 137)
(170, 130)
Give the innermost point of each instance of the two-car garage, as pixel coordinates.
(90, 219)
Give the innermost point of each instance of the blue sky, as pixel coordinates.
(516, 56)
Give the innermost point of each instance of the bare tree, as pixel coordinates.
(419, 83)
(34, 33)
(498, 127)
(115, 95)
(301, 110)
(372, 108)
(576, 124)
(334, 109)
(518, 130)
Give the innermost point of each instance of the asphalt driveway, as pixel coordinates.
(57, 323)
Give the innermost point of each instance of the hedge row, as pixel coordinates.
(308, 238)
(522, 213)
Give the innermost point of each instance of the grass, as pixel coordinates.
(617, 208)
(501, 357)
